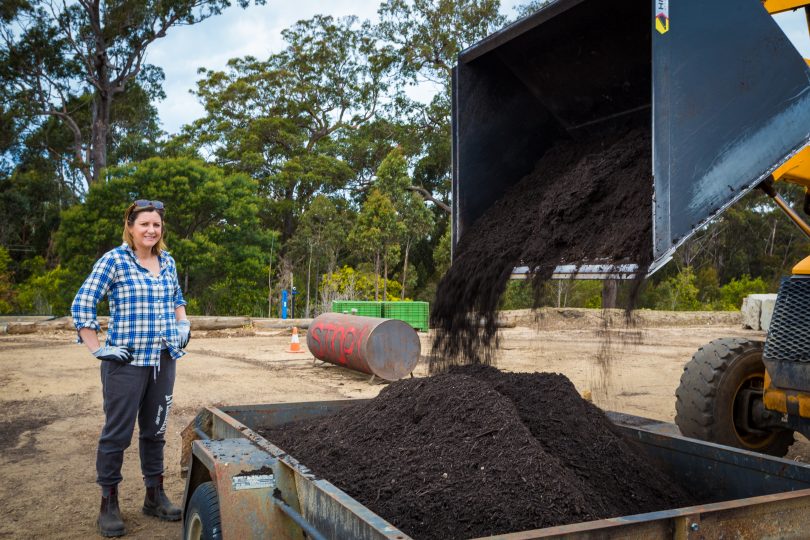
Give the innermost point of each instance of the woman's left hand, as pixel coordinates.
(184, 330)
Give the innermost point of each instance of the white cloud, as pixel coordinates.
(794, 25)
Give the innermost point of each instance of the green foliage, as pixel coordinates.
(687, 291)
(518, 295)
(34, 196)
(752, 238)
(48, 292)
(441, 255)
(678, 293)
(733, 292)
(414, 218)
(522, 10)
(376, 232)
(588, 293)
(350, 284)
(233, 296)
(428, 35)
(320, 240)
(7, 293)
(708, 285)
(54, 55)
(286, 120)
(317, 141)
(212, 227)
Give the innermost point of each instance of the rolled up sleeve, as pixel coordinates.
(178, 293)
(97, 284)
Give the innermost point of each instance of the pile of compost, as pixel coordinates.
(587, 201)
(477, 452)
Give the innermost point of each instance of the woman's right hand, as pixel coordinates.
(122, 355)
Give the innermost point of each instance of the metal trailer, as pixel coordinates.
(240, 485)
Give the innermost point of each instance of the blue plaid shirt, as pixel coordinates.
(141, 305)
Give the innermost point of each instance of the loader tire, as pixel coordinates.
(709, 391)
(202, 519)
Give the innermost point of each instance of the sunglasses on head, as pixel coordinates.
(143, 203)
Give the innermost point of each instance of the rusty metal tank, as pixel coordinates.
(387, 348)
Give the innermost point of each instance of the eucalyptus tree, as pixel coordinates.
(212, 229)
(415, 219)
(427, 36)
(321, 239)
(375, 235)
(72, 59)
(283, 120)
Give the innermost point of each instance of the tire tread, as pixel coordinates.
(699, 385)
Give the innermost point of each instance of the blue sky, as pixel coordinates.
(257, 31)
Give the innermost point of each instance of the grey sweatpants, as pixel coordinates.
(130, 393)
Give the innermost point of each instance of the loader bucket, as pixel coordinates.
(724, 92)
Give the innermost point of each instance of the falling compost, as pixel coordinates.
(586, 201)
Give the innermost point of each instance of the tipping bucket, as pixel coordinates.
(724, 92)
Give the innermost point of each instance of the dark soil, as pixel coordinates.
(585, 202)
(585, 441)
(18, 419)
(478, 452)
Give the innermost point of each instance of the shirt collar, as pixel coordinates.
(162, 260)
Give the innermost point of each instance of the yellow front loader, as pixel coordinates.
(753, 394)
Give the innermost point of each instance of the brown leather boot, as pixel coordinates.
(110, 522)
(158, 504)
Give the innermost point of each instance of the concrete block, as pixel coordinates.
(757, 310)
(751, 311)
(766, 311)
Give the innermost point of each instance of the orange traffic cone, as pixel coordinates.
(295, 344)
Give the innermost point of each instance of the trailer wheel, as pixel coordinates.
(202, 519)
(712, 399)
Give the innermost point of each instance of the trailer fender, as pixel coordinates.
(246, 484)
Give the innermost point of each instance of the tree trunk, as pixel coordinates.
(102, 100)
(309, 279)
(270, 280)
(100, 131)
(609, 290)
(317, 281)
(377, 278)
(385, 275)
(405, 268)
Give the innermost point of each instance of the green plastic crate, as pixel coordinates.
(363, 308)
(414, 313)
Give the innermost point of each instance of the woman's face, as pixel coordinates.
(147, 229)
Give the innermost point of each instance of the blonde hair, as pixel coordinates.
(130, 214)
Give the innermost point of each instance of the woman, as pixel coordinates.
(147, 331)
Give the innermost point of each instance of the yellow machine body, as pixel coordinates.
(796, 170)
(803, 268)
(778, 6)
(776, 399)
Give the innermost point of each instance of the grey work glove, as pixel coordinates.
(122, 355)
(184, 330)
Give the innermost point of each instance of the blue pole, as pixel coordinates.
(284, 304)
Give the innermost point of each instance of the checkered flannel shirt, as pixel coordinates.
(141, 305)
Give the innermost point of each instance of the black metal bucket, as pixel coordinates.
(725, 93)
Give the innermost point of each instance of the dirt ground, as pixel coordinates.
(50, 403)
